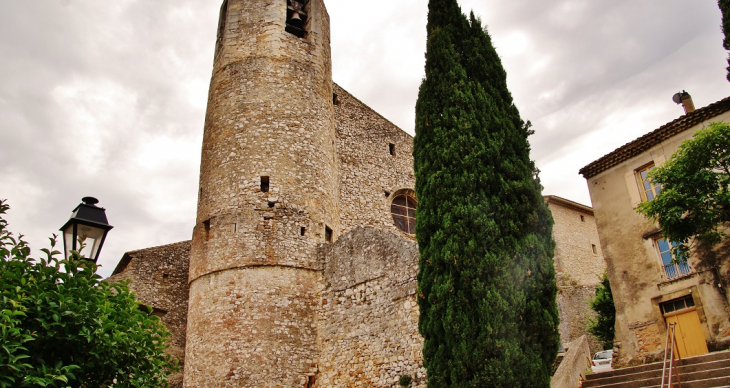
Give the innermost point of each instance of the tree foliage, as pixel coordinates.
(725, 9)
(603, 325)
(694, 201)
(486, 279)
(61, 326)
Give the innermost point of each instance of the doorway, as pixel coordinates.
(689, 335)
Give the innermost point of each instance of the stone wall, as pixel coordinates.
(370, 175)
(269, 196)
(256, 327)
(575, 234)
(159, 278)
(578, 268)
(572, 370)
(575, 312)
(368, 323)
(270, 114)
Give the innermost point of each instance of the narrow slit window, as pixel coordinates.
(264, 184)
(310, 381)
(327, 234)
(297, 16)
(391, 149)
(302, 231)
(335, 100)
(206, 230)
(582, 219)
(594, 248)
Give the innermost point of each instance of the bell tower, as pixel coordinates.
(268, 198)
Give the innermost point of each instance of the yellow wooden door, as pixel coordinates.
(690, 338)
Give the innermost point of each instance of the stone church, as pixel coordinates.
(302, 267)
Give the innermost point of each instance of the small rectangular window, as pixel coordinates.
(327, 234)
(678, 304)
(335, 100)
(582, 218)
(302, 231)
(648, 190)
(264, 184)
(391, 149)
(593, 247)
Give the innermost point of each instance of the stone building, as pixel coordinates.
(302, 267)
(649, 290)
(579, 266)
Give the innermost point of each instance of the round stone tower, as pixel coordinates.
(268, 197)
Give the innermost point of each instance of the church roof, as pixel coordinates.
(646, 142)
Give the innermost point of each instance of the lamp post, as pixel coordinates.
(88, 224)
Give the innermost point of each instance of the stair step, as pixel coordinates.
(717, 356)
(643, 380)
(717, 382)
(657, 373)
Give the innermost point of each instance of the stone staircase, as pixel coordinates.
(706, 371)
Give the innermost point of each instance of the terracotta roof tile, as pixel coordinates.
(655, 137)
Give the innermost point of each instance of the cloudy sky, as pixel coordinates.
(107, 98)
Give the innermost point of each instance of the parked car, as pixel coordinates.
(602, 361)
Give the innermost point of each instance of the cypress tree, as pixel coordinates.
(725, 9)
(486, 279)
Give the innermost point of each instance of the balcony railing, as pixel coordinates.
(677, 270)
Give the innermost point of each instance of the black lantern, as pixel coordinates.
(88, 224)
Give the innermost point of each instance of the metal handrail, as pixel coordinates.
(671, 332)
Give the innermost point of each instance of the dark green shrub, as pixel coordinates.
(405, 381)
(603, 325)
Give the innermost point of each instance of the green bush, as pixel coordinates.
(61, 326)
(603, 325)
(405, 381)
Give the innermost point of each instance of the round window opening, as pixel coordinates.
(403, 209)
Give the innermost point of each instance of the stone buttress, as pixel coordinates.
(269, 184)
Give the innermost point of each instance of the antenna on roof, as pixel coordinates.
(677, 98)
(685, 100)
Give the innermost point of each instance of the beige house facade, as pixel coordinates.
(649, 290)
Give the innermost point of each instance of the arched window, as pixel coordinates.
(403, 209)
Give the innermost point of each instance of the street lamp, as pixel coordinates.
(88, 224)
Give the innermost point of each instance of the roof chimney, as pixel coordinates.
(686, 100)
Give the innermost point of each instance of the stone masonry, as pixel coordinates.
(298, 275)
(159, 277)
(579, 266)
